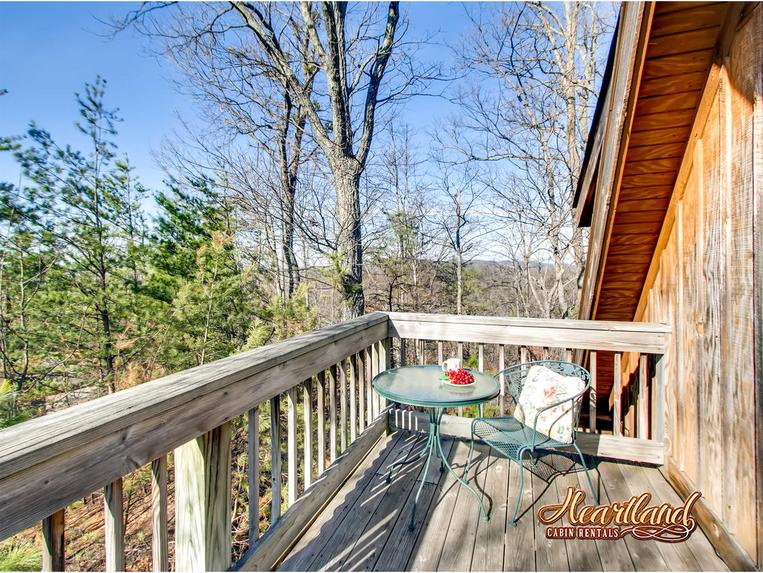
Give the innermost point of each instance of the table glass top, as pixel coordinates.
(422, 386)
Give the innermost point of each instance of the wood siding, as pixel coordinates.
(701, 281)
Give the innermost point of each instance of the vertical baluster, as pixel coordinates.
(385, 361)
(403, 352)
(502, 379)
(360, 370)
(307, 410)
(617, 389)
(524, 355)
(481, 357)
(353, 376)
(114, 526)
(275, 457)
(440, 358)
(375, 372)
(159, 539)
(643, 400)
(592, 398)
(461, 359)
(332, 413)
(253, 472)
(568, 355)
(53, 543)
(321, 422)
(343, 405)
(369, 388)
(291, 445)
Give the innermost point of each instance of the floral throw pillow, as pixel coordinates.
(542, 388)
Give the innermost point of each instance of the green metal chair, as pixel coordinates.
(518, 441)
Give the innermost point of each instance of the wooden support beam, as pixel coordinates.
(160, 538)
(320, 406)
(253, 472)
(203, 502)
(307, 412)
(291, 446)
(53, 542)
(275, 458)
(114, 540)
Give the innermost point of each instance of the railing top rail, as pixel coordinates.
(52, 435)
(558, 333)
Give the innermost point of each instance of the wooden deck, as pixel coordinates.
(364, 527)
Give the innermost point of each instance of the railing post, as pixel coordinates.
(203, 502)
(159, 540)
(53, 546)
(114, 526)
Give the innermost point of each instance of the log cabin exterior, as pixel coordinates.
(671, 190)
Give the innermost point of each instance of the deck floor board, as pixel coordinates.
(365, 527)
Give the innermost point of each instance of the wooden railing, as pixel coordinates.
(49, 462)
(498, 342)
(324, 381)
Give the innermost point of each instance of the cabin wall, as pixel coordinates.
(704, 288)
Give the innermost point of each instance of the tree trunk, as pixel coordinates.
(349, 245)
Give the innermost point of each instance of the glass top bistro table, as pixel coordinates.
(422, 386)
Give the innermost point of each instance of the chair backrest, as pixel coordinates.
(515, 377)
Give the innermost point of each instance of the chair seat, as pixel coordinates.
(508, 435)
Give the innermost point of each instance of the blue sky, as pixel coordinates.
(50, 49)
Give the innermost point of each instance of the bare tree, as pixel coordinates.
(461, 223)
(336, 64)
(536, 66)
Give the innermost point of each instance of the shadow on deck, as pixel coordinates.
(365, 526)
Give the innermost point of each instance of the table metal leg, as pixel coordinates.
(434, 442)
